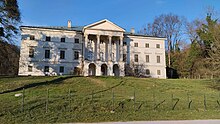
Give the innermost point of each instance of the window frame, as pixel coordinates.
(30, 68)
(147, 45)
(47, 54)
(135, 44)
(32, 37)
(158, 72)
(63, 39)
(135, 57)
(31, 52)
(61, 69)
(158, 59)
(48, 38)
(76, 40)
(158, 46)
(76, 56)
(46, 68)
(62, 54)
(147, 58)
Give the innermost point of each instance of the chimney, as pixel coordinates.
(132, 31)
(69, 24)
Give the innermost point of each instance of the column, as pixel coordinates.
(98, 47)
(85, 46)
(110, 48)
(121, 49)
(117, 51)
(106, 51)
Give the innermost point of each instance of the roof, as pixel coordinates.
(102, 21)
(141, 35)
(74, 28)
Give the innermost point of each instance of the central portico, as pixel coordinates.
(103, 49)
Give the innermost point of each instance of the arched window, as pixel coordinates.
(147, 72)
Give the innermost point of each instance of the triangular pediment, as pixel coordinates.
(104, 25)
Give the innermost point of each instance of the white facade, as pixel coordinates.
(101, 48)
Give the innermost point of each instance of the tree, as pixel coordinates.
(169, 26)
(9, 20)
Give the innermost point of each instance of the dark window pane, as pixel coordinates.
(46, 68)
(47, 54)
(61, 69)
(31, 52)
(32, 37)
(76, 55)
(47, 38)
(76, 40)
(62, 54)
(62, 39)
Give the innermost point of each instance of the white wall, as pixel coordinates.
(152, 51)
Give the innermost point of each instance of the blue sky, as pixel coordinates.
(125, 13)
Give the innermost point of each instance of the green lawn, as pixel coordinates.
(97, 99)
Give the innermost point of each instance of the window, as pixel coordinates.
(135, 44)
(47, 54)
(76, 55)
(147, 45)
(76, 40)
(62, 40)
(32, 37)
(30, 68)
(124, 57)
(147, 58)
(113, 57)
(62, 54)
(113, 42)
(124, 43)
(46, 68)
(158, 72)
(61, 69)
(101, 56)
(135, 58)
(48, 38)
(158, 59)
(157, 45)
(31, 52)
(147, 72)
(136, 71)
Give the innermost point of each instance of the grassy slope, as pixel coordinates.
(81, 106)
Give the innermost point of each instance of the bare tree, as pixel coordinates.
(169, 26)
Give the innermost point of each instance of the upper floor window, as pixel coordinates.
(135, 44)
(32, 37)
(47, 54)
(31, 52)
(157, 45)
(30, 68)
(147, 45)
(124, 43)
(76, 55)
(61, 69)
(147, 58)
(48, 38)
(62, 54)
(62, 39)
(76, 40)
(135, 58)
(158, 59)
(101, 56)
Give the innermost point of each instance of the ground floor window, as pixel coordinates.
(46, 68)
(147, 72)
(30, 68)
(61, 69)
(158, 72)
